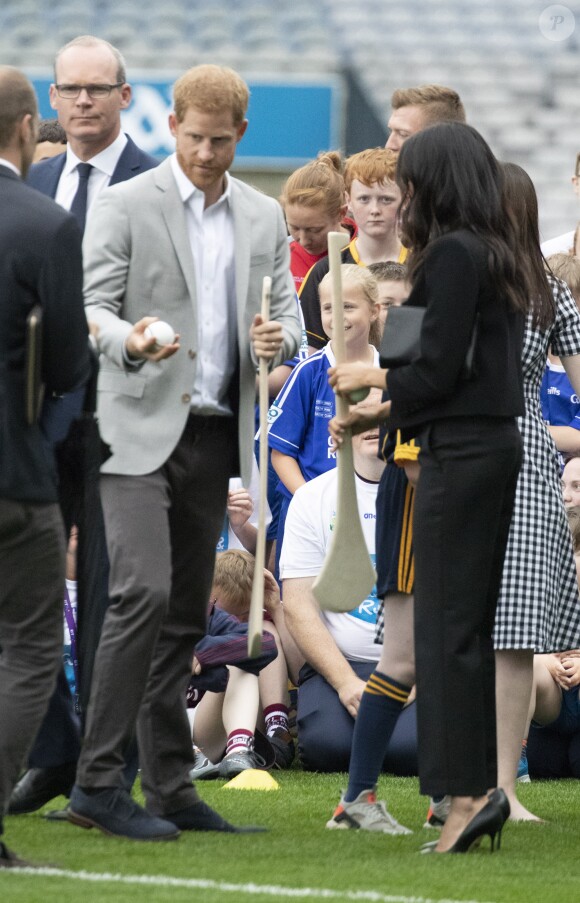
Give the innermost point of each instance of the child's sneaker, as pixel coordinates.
(203, 769)
(366, 813)
(284, 749)
(523, 776)
(438, 812)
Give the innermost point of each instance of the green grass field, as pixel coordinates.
(298, 858)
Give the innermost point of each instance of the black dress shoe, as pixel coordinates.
(200, 817)
(39, 786)
(113, 811)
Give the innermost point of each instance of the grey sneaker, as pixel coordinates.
(203, 769)
(438, 812)
(366, 813)
(239, 761)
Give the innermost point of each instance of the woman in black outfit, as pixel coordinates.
(465, 272)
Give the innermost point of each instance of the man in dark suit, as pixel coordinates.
(88, 93)
(40, 264)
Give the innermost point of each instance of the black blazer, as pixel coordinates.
(453, 285)
(40, 263)
(45, 175)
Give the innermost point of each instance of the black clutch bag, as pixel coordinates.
(401, 341)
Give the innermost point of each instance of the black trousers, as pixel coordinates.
(32, 561)
(463, 508)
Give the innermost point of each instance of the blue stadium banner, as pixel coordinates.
(290, 120)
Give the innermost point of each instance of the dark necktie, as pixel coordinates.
(79, 204)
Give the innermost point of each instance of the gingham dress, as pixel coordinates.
(538, 604)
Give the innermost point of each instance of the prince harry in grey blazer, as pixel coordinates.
(190, 245)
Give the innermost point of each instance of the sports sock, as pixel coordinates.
(381, 703)
(276, 716)
(239, 739)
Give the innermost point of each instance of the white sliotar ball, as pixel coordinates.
(162, 332)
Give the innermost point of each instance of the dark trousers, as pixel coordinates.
(78, 458)
(32, 561)
(162, 530)
(325, 728)
(463, 508)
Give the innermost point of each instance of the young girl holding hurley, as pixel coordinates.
(299, 417)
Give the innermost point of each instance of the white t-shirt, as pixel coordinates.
(307, 538)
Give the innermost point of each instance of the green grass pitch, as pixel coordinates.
(298, 859)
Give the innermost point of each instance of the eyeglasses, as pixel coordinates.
(71, 92)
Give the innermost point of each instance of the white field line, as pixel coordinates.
(268, 890)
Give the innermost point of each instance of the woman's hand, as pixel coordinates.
(557, 671)
(347, 378)
(571, 668)
(358, 420)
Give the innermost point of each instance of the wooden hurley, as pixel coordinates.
(347, 576)
(256, 618)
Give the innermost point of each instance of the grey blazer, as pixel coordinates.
(138, 263)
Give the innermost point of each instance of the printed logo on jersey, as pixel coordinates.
(553, 391)
(324, 409)
(330, 452)
(222, 543)
(368, 609)
(274, 412)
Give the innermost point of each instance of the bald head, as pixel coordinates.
(17, 100)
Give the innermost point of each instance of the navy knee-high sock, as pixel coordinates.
(381, 704)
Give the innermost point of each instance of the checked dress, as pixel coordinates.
(538, 606)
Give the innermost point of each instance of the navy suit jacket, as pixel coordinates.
(40, 263)
(44, 176)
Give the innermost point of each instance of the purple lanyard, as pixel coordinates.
(72, 629)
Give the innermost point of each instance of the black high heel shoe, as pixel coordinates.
(489, 820)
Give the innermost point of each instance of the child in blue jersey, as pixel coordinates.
(560, 403)
(298, 419)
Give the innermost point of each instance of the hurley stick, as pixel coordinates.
(347, 576)
(256, 617)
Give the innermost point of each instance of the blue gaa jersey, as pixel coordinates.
(298, 418)
(560, 404)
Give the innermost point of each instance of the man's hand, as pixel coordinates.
(350, 693)
(271, 593)
(358, 420)
(140, 347)
(266, 337)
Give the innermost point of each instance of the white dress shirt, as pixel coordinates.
(104, 164)
(11, 166)
(211, 238)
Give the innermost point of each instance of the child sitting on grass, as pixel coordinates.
(227, 685)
